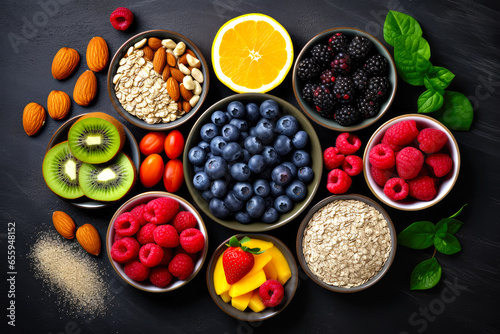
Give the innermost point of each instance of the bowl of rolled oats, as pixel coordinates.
(346, 243)
(158, 80)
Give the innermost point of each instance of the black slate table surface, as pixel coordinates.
(463, 36)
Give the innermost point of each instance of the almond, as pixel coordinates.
(186, 94)
(166, 73)
(176, 74)
(97, 54)
(159, 60)
(88, 237)
(64, 224)
(148, 53)
(173, 89)
(64, 63)
(85, 88)
(186, 106)
(58, 104)
(190, 52)
(33, 118)
(154, 43)
(171, 61)
(183, 59)
(179, 105)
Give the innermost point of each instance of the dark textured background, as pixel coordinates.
(463, 36)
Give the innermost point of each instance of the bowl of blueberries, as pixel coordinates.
(253, 162)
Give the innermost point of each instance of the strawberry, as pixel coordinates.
(238, 260)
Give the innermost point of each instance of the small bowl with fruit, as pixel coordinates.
(252, 162)
(411, 162)
(157, 242)
(252, 277)
(344, 79)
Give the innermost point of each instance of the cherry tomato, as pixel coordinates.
(173, 176)
(152, 143)
(174, 144)
(151, 170)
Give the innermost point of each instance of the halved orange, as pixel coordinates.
(252, 53)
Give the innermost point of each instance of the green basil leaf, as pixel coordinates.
(419, 235)
(425, 275)
(456, 112)
(452, 225)
(397, 24)
(411, 54)
(441, 229)
(458, 212)
(429, 101)
(438, 79)
(448, 244)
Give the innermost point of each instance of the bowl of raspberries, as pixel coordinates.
(411, 162)
(157, 241)
(344, 79)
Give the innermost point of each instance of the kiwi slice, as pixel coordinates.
(96, 138)
(60, 171)
(109, 181)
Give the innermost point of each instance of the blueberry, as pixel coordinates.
(204, 145)
(245, 156)
(261, 188)
(215, 168)
(218, 188)
(292, 167)
(207, 195)
(296, 190)
(198, 169)
(210, 155)
(269, 201)
(217, 144)
(230, 133)
(243, 135)
(208, 132)
(270, 156)
(232, 202)
(270, 216)
(282, 145)
(305, 174)
(243, 191)
(236, 109)
(276, 189)
(252, 131)
(197, 156)
(240, 171)
(283, 204)
(257, 164)
(228, 116)
(281, 175)
(253, 112)
(201, 181)
(218, 208)
(301, 158)
(241, 124)
(269, 109)
(231, 152)
(300, 139)
(266, 174)
(287, 125)
(243, 217)
(219, 118)
(264, 130)
(253, 145)
(256, 206)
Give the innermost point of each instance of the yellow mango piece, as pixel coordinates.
(260, 261)
(241, 302)
(270, 271)
(247, 284)
(256, 303)
(280, 264)
(220, 282)
(225, 296)
(257, 243)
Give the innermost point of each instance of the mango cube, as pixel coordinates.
(257, 243)
(220, 282)
(270, 271)
(280, 264)
(225, 296)
(256, 303)
(247, 284)
(260, 261)
(241, 302)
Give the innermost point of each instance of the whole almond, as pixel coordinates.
(177, 75)
(179, 105)
(171, 61)
(159, 60)
(64, 224)
(64, 63)
(58, 104)
(186, 94)
(97, 54)
(173, 89)
(186, 106)
(183, 59)
(148, 53)
(33, 118)
(166, 73)
(85, 88)
(190, 52)
(88, 237)
(154, 43)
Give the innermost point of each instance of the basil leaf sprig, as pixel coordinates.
(424, 234)
(411, 55)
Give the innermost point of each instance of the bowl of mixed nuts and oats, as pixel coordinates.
(158, 80)
(346, 243)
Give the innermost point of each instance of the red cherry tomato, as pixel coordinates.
(173, 176)
(152, 143)
(151, 170)
(174, 144)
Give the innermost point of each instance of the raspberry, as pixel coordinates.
(338, 182)
(332, 158)
(184, 220)
(145, 234)
(125, 249)
(126, 224)
(168, 254)
(352, 165)
(439, 163)
(423, 188)
(166, 236)
(192, 240)
(396, 189)
(180, 250)
(117, 237)
(136, 270)
(138, 212)
(395, 148)
(431, 140)
(160, 276)
(409, 162)
(381, 175)
(151, 255)
(161, 210)
(181, 266)
(347, 143)
(402, 133)
(271, 292)
(121, 18)
(382, 156)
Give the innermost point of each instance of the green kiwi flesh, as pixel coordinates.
(60, 171)
(109, 181)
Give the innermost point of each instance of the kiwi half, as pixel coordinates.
(96, 138)
(109, 181)
(60, 171)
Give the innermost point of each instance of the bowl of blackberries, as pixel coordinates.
(253, 162)
(344, 79)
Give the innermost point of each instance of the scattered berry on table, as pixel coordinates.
(352, 165)
(347, 143)
(338, 182)
(121, 18)
(332, 158)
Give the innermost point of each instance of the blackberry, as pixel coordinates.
(338, 42)
(377, 88)
(344, 90)
(324, 101)
(377, 65)
(308, 91)
(308, 69)
(360, 78)
(368, 108)
(322, 54)
(327, 77)
(359, 47)
(341, 63)
(347, 115)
